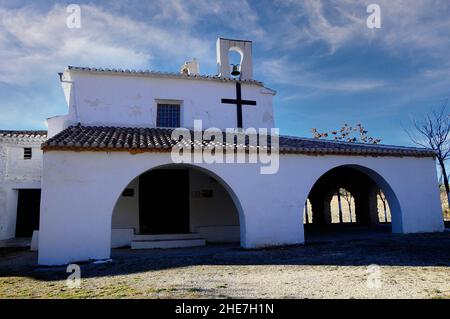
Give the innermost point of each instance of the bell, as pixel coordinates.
(235, 71)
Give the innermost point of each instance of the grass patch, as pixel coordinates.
(194, 290)
(221, 286)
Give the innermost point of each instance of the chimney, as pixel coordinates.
(190, 68)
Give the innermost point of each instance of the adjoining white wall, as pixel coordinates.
(19, 169)
(16, 173)
(8, 212)
(270, 206)
(125, 100)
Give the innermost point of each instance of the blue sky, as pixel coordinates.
(326, 65)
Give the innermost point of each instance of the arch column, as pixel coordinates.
(327, 208)
(373, 205)
(270, 215)
(320, 199)
(318, 209)
(71, 233)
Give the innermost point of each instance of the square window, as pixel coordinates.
(27, 153)
(168, 115)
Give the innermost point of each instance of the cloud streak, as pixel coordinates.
(281, 71)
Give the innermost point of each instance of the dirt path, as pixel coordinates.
(409, 266)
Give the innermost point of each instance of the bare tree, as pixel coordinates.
(347, 196)
(433, 131)
(347, 133)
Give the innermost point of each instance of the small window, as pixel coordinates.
(168, 115)
(129, 192)
(27, 153)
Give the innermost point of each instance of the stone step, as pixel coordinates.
(162, 244)
(167, 237)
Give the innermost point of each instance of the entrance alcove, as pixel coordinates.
(175, 206)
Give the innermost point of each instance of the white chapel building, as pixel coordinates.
(103, 175)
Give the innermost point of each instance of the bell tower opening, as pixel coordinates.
(234, 58)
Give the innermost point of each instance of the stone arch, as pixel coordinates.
(210, 173)
(378, 180)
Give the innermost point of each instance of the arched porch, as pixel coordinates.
(175, 206)
(351, 198)
(81, 189)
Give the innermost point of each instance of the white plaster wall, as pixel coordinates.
(3, 195)
(124, 100)
(57, 124)
(8, 212)
(270, 206)
(16, 173)
(3, 160)
(126, 211)
(19, 169)
(14, 168)
(215, 219)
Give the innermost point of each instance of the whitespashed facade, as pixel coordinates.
(20, 181)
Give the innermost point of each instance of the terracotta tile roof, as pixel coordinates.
(160, 74)
(23, 134)
(136, 140)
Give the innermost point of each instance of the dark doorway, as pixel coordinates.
(28, 207)
(164, 201)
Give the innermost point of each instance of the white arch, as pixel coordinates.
(205, 171)
(394, 204)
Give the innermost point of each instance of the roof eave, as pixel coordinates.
(156, 74)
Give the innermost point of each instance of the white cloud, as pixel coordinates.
(281, 71)
(311, 21)
(407, 26)
(33, 44)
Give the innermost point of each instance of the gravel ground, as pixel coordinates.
(410, 266)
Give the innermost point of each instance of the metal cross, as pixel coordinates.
(239, 102)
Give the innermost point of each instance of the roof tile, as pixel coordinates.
(162, 74)
(99, 138)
